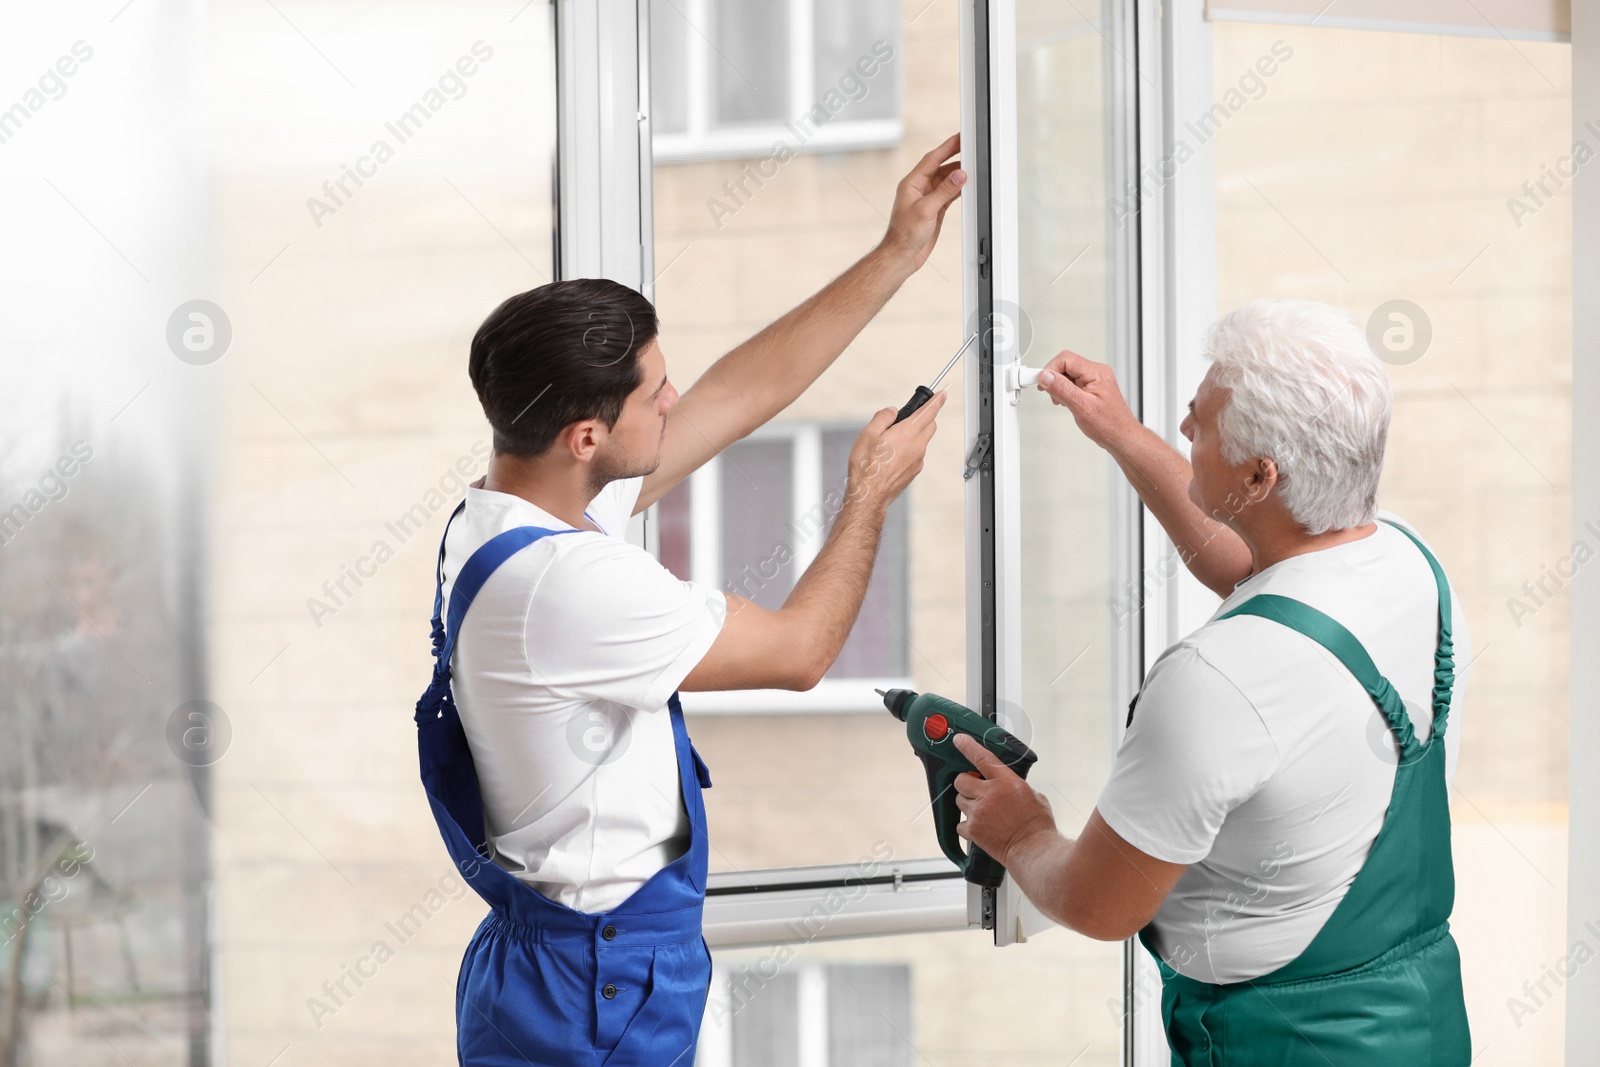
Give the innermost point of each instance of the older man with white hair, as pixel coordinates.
(1276, 827)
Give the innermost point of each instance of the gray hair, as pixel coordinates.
(1307, 392)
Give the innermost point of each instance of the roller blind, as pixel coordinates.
(1529, 20)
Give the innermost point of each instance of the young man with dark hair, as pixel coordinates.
(552, 742)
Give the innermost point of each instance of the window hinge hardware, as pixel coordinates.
(977, 459)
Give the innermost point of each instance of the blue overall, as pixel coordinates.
(541, 983)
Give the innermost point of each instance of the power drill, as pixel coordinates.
(932, 723)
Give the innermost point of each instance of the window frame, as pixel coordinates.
(704, 140)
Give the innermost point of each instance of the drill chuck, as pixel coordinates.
(897, 701)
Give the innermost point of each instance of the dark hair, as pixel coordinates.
(556, 355)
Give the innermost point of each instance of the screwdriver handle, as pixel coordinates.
(919, 398)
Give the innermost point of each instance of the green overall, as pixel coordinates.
(1380, 984)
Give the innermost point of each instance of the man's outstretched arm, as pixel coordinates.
(764, 375)
(1160, 474)
(793, 647)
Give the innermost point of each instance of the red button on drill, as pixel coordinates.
(936, 727)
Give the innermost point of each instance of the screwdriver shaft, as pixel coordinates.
(953, 361)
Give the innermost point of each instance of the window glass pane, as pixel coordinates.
(1070, 639)
(1402, 195)
(857, 57)
(757, 507)
(768, 1030)
(869, 1013)
(877, 645)
(750, 62)
(1032, 1005)
(669, 67)
(729, 264)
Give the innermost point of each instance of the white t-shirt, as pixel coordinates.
(1258, 759)
(561, 674)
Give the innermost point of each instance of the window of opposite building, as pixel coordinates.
(771, 79)
(751, 521)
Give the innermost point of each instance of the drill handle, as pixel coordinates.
(977, 865)
(983, 869)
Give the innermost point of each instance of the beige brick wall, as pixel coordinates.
(345, 401)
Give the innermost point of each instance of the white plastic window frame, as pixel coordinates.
(1177, 285)
(831, 695)
(1142, 305)
(706, 140)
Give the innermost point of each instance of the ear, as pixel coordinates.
(582, 439)
(1263, 476)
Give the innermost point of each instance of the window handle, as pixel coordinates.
(1018, 378)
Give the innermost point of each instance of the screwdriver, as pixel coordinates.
(924, 393)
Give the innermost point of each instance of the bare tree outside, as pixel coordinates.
(95, 891)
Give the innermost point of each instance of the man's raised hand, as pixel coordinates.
(1089, 390)
(920, 201)
(887, 455)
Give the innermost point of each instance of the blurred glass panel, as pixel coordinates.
(853, 40)
(736, 80)
(833, 788)
(876, 647)
(729, 264)
(927, 1000)
(750, 70)
(673, 518)
(1400, 196)
(669, 67)
(757, 512)
(105, 784)
(1070, 638)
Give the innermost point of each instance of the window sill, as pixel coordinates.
(847, 696)
(798, 905)
(745, 142)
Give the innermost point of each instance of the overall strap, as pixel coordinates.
(1444, 663)
(479, 566)
(469, 581)
(438, 581)
(1332, 635)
